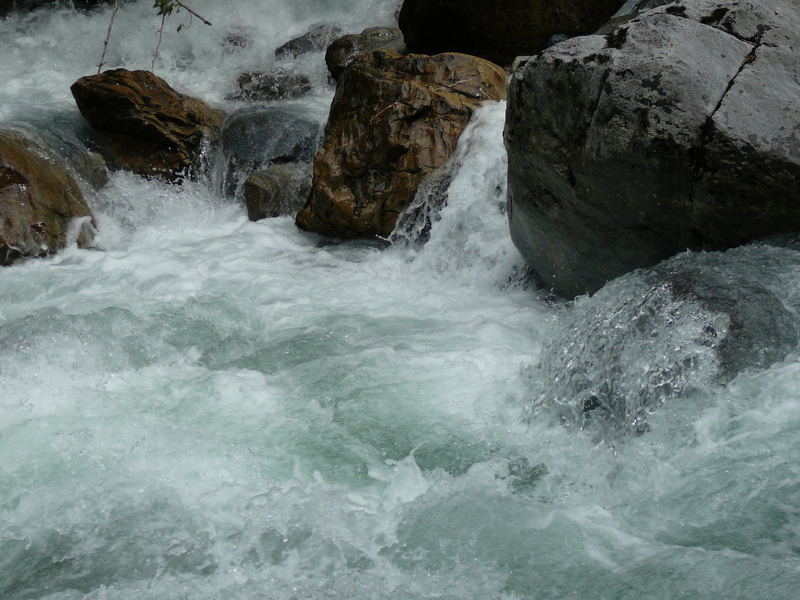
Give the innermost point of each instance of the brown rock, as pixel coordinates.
(150, 128)
(394, 120)
(498, 33)
(38, 199)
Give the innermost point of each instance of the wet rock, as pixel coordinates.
(65, 147)
(267, 87)
(676, 130)
(149, 128)
(38, 202)
(254, 138)
(278, 190)
(342, 52)
(236, 41)
(394, 120)
(497, 33)
(316, 39)
(658, 334)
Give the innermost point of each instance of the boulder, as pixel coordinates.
(342, 52)
(394, 120)
(150, 128)
(279, 84)
(655, 335)
(38, 202)
(677, 130)
(316, 39)
(498, 33)
(255, 138)
(66, 146)
(277, 191)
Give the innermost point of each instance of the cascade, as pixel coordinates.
(204, 407)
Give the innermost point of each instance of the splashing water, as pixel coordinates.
(208, 408)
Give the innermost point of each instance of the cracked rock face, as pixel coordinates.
(394, 120)
(679, 129)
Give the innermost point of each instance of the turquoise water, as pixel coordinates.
(207, 408)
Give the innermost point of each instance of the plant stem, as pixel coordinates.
(158, 46)
(108, 36)
(191, 12)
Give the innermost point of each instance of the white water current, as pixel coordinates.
(206, 408)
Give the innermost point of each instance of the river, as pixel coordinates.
(205, 408)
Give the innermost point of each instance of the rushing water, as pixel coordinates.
(207, 408)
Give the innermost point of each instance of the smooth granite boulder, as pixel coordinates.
(679, 129)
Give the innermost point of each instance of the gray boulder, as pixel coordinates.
(277, 190)
(342, 52)
(255, 138)
(679, 129)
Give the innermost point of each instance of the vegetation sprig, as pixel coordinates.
(164, 9)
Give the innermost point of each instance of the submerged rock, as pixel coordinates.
(316, 39)
(677, 130)
(394, 120)
(280, 84)
(497, 32)
(38, 203)
(342, 52)
(658, 334)
(278, 190)
(254, 138)
(150, 128)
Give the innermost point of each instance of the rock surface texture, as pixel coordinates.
(150, 128)
(679, 129)
(497, 32)
(394, 120)
(38, 201)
